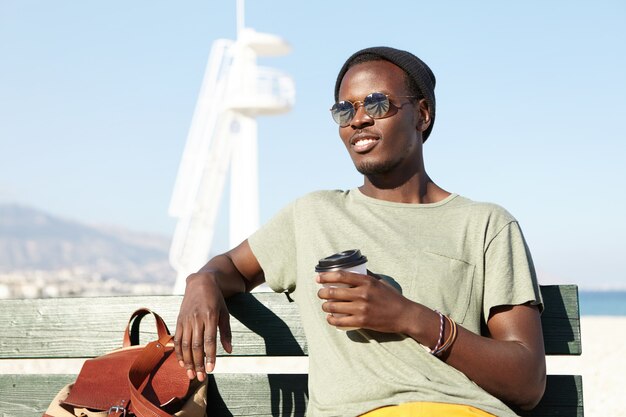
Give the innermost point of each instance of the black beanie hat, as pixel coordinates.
(414, 67)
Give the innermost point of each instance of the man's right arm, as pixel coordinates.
(203, 310)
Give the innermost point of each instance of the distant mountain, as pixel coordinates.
(31, 239)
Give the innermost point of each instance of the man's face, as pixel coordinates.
(386, 145)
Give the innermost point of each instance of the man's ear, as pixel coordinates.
(423, 120)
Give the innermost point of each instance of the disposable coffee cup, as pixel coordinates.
(351, 261)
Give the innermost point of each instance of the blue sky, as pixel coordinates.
(96, 99)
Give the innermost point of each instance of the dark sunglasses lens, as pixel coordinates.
(376, 105)
(342, 112)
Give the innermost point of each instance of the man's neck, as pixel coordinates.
(419, 189)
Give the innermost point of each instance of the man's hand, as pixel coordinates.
(368, 302)
(202, 312)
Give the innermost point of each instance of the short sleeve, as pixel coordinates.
(510, 277)
(274, 246)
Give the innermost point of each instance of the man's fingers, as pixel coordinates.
(341, 319)
(209, 340)
(337, 293)
(351, 279)
(177, 341)
(197, 325)
(195, 342)
(197, 348)
(225, 333)
(344, 321)
(185, 347)
(339, 307)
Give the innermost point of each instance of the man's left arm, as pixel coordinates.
(509, 362)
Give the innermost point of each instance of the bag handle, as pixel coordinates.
(141, 368)
(162, 330)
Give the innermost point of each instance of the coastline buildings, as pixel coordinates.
(74, 282)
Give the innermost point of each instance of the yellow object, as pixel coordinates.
(426, 409)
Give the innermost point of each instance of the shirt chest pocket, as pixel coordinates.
(443, 283)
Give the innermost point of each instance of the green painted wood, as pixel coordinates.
(29, 395)
(239, 395)
(563, 397)
(262, 324)
(88, 327)
(561, 320)
(256, 395)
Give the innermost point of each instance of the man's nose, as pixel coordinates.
(361, 118)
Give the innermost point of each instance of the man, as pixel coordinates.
(458, 333)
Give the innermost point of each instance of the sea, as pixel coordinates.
(602, 303)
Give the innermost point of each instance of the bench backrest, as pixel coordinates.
(263, 324)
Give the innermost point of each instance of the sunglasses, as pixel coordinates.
(376, 106)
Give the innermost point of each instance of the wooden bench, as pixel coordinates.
(263, 324)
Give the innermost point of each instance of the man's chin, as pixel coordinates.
(375, 168)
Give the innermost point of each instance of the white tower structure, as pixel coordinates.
(223, 136)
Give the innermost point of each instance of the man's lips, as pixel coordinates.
(363, 141)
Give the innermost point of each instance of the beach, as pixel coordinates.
(602, 365)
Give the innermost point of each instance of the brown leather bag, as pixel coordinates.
(145, 381)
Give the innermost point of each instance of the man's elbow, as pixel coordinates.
(532, 393)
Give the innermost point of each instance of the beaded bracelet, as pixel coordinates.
(441, 332)
(451, 338)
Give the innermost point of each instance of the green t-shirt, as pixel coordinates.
(456, 256)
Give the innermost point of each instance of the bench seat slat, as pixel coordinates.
(256, 395)
(563, 397)
(88, 327)
(28, 395)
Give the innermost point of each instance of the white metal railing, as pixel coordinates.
(266, 91)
